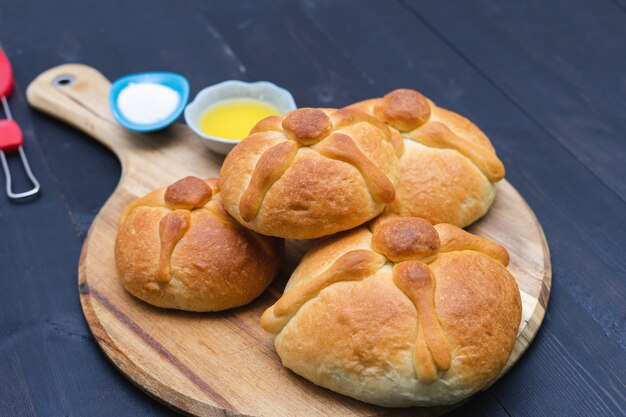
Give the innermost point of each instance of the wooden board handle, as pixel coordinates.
(78, 94)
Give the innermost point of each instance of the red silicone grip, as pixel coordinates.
(10, 135)
(6, 75)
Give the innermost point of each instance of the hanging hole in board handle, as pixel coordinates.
(64, 80)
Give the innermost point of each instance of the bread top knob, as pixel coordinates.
(405, 239)
(188, 193)
(307, 126)
(403, 109)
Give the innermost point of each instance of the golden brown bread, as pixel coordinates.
(312, 173)
(178, 248)
(447, 165)
(399, 313)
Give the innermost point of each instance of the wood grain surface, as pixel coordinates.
(208, 364)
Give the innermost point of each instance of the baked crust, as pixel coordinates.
(312, 173)
(178, 248)
(447, 165)
(430, 328)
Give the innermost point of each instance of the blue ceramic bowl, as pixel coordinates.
(174, 81)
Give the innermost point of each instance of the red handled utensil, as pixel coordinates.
(11, 137)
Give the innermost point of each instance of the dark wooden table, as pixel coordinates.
(545, 80)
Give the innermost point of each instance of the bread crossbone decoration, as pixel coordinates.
(448, 167)
(312, 173)
(399, 313)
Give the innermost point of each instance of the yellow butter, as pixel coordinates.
(233, 119)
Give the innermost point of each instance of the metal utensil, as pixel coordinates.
(11, 137)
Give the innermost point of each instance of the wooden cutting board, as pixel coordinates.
(223, 363)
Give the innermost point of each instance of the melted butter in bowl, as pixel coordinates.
(223, 114)
(233, 119)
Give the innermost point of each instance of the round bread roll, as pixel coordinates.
(312, 173)
(448, 166)
(399, 314)
(178, 248)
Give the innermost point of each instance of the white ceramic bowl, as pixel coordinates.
(228, 90)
